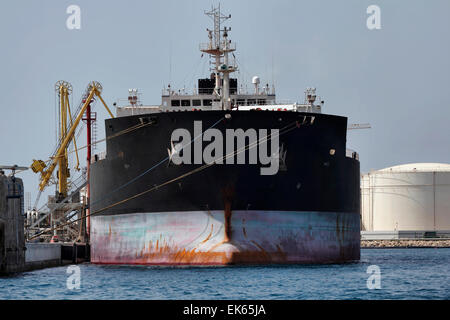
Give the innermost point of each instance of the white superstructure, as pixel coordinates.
(220, 91)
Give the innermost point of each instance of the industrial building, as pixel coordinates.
(406, 201)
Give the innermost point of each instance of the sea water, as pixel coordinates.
(393, 274)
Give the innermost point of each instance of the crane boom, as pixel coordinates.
(94, 89)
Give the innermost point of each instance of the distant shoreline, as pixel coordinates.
(405, 243)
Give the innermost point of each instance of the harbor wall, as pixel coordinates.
(46, 255)
(405, 234)
(12, 240)
(405, 243)
(42, 255)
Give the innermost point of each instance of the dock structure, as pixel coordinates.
(17, 255)
(41, 255)
(12, 240)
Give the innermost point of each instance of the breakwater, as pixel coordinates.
(406, 243)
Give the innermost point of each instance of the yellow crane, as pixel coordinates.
(67, 134)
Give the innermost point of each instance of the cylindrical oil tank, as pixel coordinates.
(406, 197)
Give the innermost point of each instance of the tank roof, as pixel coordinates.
(418, 167)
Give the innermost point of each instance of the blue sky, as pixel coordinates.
(396, 78)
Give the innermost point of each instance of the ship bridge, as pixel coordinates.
(204, 100)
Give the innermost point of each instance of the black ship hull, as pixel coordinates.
(308, 212)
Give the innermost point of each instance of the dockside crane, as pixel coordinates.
(68, 126)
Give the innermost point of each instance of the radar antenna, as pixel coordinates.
(219, 49)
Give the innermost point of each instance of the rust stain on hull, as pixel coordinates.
(228, 194)
(209, 235)
(266, 238)
(193, 257)
(227, 214)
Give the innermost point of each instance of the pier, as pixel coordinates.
(16, 255)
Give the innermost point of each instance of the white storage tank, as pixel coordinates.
(406, 197)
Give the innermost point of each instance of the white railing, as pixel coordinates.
(211, 46)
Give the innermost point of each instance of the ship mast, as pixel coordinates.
(219, 49)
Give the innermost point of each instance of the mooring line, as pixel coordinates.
(151, 168)
(249, 146)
